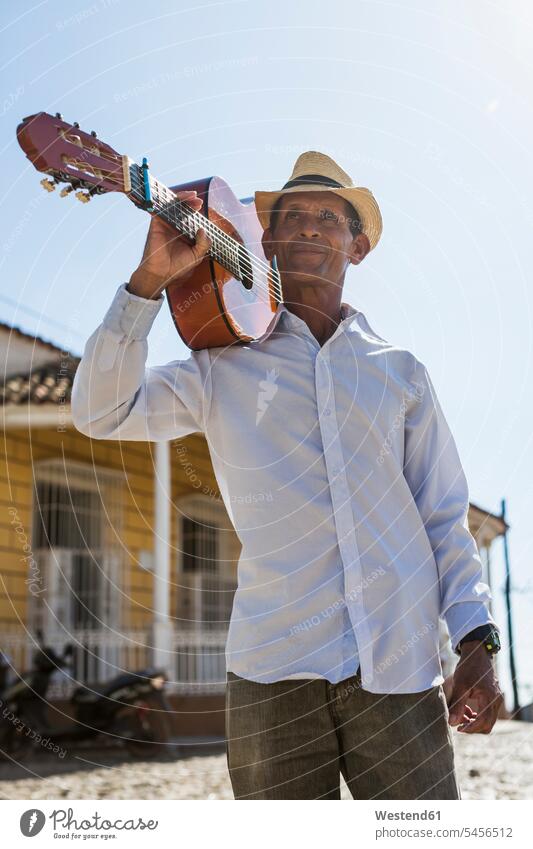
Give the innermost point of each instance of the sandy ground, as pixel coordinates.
(490, 766)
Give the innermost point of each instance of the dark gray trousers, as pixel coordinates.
(291, 739)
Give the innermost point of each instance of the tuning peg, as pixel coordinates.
(59, 115)
(84, 197)
(93, 134)
(66, 191)
(48, 185)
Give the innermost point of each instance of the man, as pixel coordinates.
(359, 542)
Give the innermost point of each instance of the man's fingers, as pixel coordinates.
(190, 197)
(158, 225)
(468, 714)
(484, 720)
(185, 193)
(457, 708)
(482, 724)
(201, 245)
(195, 202)
(192, 200)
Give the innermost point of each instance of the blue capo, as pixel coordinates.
(148, 204)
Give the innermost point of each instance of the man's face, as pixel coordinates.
(312, 240)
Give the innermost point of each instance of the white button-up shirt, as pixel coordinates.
(341, 477)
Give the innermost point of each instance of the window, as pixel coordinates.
(76, 541)
(200, 546)
(208, 551)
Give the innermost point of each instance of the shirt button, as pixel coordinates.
(327, 411)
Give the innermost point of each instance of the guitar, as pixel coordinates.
(231, 296)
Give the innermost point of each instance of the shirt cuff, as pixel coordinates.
(463, 617)
(131, 316)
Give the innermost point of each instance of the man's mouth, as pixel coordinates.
(308, 249)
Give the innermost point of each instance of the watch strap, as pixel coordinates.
(481, 633)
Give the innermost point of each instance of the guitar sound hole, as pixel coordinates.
(246, 274)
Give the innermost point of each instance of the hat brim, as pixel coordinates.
(362, 199)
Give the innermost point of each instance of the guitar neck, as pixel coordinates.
(227, 251)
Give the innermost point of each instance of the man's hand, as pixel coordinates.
(168, 256)
(474, 678)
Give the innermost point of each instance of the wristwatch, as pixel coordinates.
(487, 633)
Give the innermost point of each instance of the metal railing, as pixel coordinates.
(97, 656)
(198, 659)
(200, 662)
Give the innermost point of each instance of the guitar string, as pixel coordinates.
(223, 238)
(173, 204)
(227, 260)
(237, 254)
(234, 258)
(230, 250)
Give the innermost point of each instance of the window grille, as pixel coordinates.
(208, 550)
(77, 532)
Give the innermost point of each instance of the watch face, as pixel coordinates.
(492, 643)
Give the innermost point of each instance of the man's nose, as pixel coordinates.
(309, 227)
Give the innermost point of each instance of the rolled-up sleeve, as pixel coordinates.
(114, 395)
(435, 476)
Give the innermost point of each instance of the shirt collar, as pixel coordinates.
(351, 319)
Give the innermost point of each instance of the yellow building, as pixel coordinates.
(124, 549)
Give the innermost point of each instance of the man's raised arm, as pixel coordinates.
(114, 395)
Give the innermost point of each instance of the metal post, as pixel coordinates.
(512, 665)
(489, 577)
(162, 628)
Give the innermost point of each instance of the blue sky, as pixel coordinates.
(428, 104)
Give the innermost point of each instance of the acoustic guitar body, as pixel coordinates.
(210, 308)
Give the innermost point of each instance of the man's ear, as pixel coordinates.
(266, 241)
(359, 249)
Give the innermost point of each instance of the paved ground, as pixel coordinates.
(491, 766)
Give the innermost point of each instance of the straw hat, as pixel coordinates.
(316, 172)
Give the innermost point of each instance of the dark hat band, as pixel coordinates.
(313, 178)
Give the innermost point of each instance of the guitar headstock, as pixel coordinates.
(69, 155)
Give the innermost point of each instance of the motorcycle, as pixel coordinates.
(130, 710)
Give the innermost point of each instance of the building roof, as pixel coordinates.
(486, 526)
(49, 384)
(35, 371)
(22, 334)
(22, 352)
